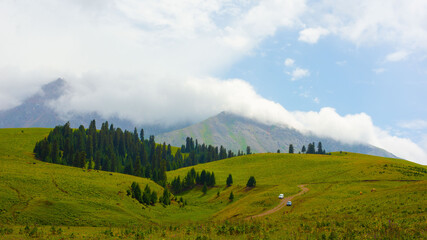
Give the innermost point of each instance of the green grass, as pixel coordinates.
(37, 192)
(94, 203)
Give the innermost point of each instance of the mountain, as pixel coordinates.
(236, 132)
(36, 112)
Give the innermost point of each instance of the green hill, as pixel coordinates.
(37, 192)
(94, 204)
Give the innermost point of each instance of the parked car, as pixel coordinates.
(281, 196)
(289, 203)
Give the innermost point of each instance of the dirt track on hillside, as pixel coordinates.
(281, 204)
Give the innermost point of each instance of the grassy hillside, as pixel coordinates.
(32, 191)
(94, 203)
(281, 173)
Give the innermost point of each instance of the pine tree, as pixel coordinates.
(165, 199)
(291, 148)
(303, 149)
(231, 197)
(248, 150)
(142, 135)
(229, 181)
(251, 182)
(146, 196)
(311, 149)
(319, 148)
(153, 198)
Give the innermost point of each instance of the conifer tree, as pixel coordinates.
(231, 197)
(291, 148)
(165, 199)
(153, 198)
(229, 181)
(146, 196)
(319, 148)
(251, 182)
(248, 150)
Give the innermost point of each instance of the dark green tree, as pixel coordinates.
(231, 197)
(146, 196)
(291, 148)
(248, 150)
(311, 149)
(229, 181)
(303, 149)
(319, 148)
(251, 182)
(165, 199)
(153, 198)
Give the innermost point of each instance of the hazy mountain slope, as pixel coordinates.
(236, 132)
(35, 112)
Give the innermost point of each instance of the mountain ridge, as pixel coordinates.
(236, 132)
(35, 111)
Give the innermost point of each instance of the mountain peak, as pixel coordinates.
(54, 90)
(236, 132)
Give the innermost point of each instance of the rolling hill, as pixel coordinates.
(93, 204)
(236, 132)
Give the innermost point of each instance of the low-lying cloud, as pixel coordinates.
(151, 62)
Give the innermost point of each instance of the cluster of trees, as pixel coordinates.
(111, 149)
(148, 197)
(311, 149)
(202, 153)
(193, 178)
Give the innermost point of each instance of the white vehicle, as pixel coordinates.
(281, 196)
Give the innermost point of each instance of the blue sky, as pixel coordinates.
(344, 76)
(352, 70)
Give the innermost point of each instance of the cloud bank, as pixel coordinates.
(155, 61)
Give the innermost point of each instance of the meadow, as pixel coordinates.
(352, 196)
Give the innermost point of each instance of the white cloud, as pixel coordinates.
(312, 35)
(397, 56)
(298, 73)
(366, 22)
(352, 128)
(414, 124)
(378, 70)
(289, 62)
(152, 42)
(152, 61)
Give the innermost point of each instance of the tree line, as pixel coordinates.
(148, 197)
(112, 149)
(193, 178)
(311, 149)
(202, 153)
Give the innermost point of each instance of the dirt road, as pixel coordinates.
(281, 204)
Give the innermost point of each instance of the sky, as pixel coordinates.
(355, 71)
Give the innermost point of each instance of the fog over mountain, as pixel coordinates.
(237, 132)
(37, 111)
(170, 63)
